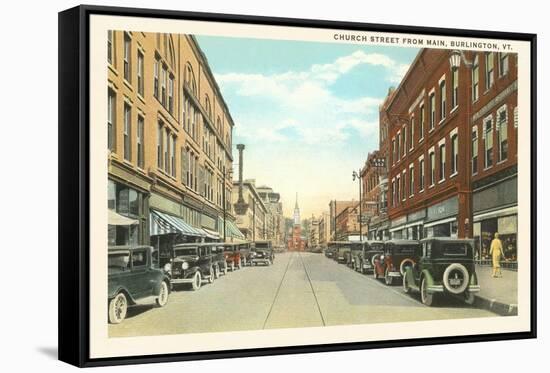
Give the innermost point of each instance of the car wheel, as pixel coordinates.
(211, 275)
(118, 307)
(162, 299)
(406, 286)
(426, 298)
(469, 298)
(216, 272)
(225, 268)
(388, 278)
(197, 281)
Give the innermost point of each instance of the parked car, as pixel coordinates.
(262, 252)
(245, 249)
(343, 252)
(316, 250)
(232, 256)
(191, 263)
(330, 251)
(133, 279)
(445, 267)
(398, 255)
(364, 262)
(356, 249)
(218, 257)
(279, 249)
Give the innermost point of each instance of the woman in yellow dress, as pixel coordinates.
(497, 253)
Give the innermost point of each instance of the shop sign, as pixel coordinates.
(443, 209)
(414, 216)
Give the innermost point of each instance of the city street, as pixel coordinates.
(298, 290)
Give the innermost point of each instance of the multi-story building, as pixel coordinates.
(347, 223)
(324, 229)
(453, 153)
(335, 208)
(169, 134)
(275, 219)
(313, 238)
(252, 221)
(372, 173)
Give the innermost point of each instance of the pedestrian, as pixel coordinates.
(497, 253)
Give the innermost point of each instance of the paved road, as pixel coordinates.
(298, 290)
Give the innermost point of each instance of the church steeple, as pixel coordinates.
(296, 212)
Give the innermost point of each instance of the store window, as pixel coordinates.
(127, 202)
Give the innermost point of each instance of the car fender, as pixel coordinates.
(473, 278)
(410, 276)
(161, 279)
(122, 289)
(428, 276)
(190, 272)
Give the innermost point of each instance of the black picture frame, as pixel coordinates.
(74, 164)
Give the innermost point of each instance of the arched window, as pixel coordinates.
(190, 79)
(207, 106)
(171, 54)
(219, 125)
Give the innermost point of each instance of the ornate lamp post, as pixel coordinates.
(357, 176)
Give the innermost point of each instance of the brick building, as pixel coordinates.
(335, 208)
(453, 150)
(169, 134)
(347, 223)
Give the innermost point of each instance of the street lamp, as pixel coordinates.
(455, 59)
(355, 175)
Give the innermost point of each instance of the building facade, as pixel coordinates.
(324, 229)
(296, 241)
(275, 219)
(335, 208)
(347, 223)
(453, 153)
(169, 134)
(252, 222)
(313, 236)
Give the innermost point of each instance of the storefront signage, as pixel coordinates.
(497, 196)
(443, 209)
(399, 221)
(414, 216)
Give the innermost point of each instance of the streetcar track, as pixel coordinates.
(278, 290)
(312, 290)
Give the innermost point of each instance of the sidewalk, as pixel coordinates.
(499, 295)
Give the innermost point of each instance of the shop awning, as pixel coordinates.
(211, 234)
(117, 219)
(162, 223)
(437, 222)
(231, 229)
(495, 214)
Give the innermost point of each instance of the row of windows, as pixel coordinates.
(437, 104)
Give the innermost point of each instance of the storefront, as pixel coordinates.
(495, 210)
(441, 219)
(398, 228)
(128, 208)
(415, 222)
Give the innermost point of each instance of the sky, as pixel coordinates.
(307, 112)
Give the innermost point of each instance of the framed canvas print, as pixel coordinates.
(233, 186)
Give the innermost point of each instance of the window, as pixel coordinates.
(397, 193)
(398, 144)
(475, 79)
(167, 148)
(432, 110)
(207, 106)
(411, 181)
(163, 86)
(411, 134)
(489, 70)
(111, 115)
(173, 156)
(159, 145)
(516, 117)
(441, 162)
(140, 143)
(502, 132)
(432, 168)
(403, 187)
(140, 73)
(488, 133)
(127, 131)
(454, 86)
(421, 174)
(404, 145)
(421, 123)
(503, 64)
(393, 151)
(454, 154)
(127, 54)
(442, 100)
(474, 150)
(110, 46)
(171, 94)
(156, 79)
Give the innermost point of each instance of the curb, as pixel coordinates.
(503, 309)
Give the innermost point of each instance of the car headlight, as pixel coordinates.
(167, 267)
(184, 265)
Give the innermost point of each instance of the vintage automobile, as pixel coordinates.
(356, 249)
(445, 267)
(133, 279)
(316, 250)
(364, 262)
(397, 256)
(330, 251)
(262, 252)
(218, 257)
(191, 263)
(342, 254)
(232, 256)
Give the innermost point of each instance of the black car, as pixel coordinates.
(364, 259)
(445, 267)
(218, 258)
(133, 279)
(330, 250)
(397, 256)
(262, 252)
(190, 263)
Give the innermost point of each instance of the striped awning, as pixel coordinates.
(162, 223)
(211, 234)
(231, 229)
